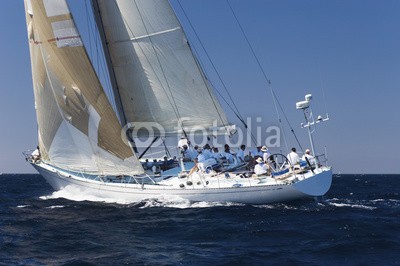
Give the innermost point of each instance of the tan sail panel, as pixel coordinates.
(77, 125)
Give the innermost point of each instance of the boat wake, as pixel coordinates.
(180, 203)
(166, 201)
(74, 194)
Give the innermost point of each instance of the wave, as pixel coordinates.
(370, 204)
(23, 206)
(360, 206)
(55, 207)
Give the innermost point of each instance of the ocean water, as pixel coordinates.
(356, 223)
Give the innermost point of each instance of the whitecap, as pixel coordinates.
(360, 206)
(23, 206)
(55, 207)
(267, 206)
(378, 200)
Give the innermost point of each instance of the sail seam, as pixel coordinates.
(149, 35)
(173, 103)
(63, 38)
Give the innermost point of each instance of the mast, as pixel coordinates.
(113, 79)
(104, 43)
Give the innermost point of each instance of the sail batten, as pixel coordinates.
(78, 129)
(158, 78)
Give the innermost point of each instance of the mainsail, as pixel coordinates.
(158, 80)
(78, 129)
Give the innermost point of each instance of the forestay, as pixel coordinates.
(78, 129)
(158, 78)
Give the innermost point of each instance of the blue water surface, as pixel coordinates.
(356, 223)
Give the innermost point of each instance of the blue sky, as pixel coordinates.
(348, 48)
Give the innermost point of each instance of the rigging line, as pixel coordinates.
(205, 78)
(89, 28)
(151, 144)
(165, 77)
(236, 114)
(208, 56)
(241, 119)
(200, 69)
(208, 89)
(287, 120)
(101, 72)
(158, 78)
(212, 63)
(159, 62)
(226, 102)
(253, 138)
(111, 71)
(248, 42)
(175, 111)
(262, 70)
(322, 87)
(279, 118)
(166, 148)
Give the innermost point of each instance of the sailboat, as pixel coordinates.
(156, 79)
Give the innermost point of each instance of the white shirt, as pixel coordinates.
(310, 158)
(293, 158)
(182, 142)
(260, 169)
(36, 153)
(266, 155)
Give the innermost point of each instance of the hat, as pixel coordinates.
(264, 148)
(259, 160)
(182, 137)
(308, 151)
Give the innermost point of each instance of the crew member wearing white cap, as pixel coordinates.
(310, 158)
(261, 167)
(266, 153)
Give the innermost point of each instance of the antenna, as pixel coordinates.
(308, 115)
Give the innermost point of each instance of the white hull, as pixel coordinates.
(250, 191)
